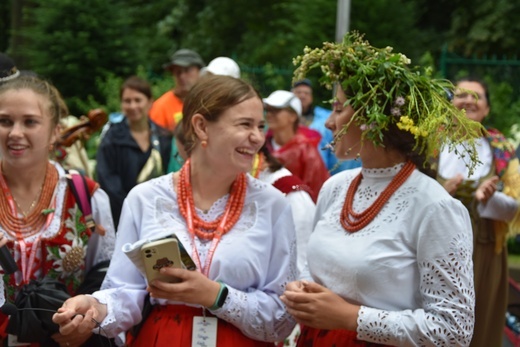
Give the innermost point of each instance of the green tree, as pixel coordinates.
(74, 42)
(483, 27)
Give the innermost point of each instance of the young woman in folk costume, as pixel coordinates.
(389, 260)
(238, 230)
(493, 211)
(45, 230)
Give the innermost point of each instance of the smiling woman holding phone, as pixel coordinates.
(238, 230)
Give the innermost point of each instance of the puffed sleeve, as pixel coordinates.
(444, 247)
(123, 291)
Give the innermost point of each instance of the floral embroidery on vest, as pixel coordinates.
(62, 256)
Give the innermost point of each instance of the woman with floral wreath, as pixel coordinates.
(493, 210)
(389, 260)
(238, 230)
(46, 231)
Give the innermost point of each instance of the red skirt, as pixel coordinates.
(172, 325)
(311, 337)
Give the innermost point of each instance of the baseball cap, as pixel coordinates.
(185, 57)
(304, 82)
(282, 99)
(223, 66)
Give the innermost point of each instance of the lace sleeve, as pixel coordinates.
(446, 296)
(259, 312)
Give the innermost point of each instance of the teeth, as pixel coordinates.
(245, 151)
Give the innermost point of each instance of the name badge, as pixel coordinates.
(204, 332)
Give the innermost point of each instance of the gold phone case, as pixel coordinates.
(159, 254)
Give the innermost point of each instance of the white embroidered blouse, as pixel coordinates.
(255, 259)
(410, 269)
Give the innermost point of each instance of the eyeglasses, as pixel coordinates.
(464, 95)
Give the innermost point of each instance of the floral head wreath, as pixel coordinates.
(383, 89)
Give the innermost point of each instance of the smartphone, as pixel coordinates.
(159, 254)
(187, 261)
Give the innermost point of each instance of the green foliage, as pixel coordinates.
(73, 43)
(82, 45)
(383, 90)
(480, 27)
(5, 22)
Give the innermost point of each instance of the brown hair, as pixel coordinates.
(57, 107)
(210, 97)
(138, 84)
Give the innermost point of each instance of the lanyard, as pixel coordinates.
(214, 243)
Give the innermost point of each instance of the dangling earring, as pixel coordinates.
(204, 143)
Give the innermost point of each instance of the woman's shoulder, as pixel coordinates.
(159, 186)
(428, 191)
(340, 178)
(263, 192)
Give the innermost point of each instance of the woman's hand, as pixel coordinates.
(486, 189)
(194, 288)
(78, 316)
(316, 306)
(100, 230)
(453, 183)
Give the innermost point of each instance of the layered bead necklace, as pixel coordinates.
(32, 221)
(208, 230)
(352, 221)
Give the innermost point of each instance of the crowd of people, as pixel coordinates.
(381, 222)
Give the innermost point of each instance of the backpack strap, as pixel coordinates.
(80, 189)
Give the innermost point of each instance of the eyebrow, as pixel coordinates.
(249, 119)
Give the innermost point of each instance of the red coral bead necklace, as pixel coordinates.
(352, 221)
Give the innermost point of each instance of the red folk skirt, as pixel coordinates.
(172, 325)
(311, 337)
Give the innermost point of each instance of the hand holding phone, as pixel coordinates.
(159, 254)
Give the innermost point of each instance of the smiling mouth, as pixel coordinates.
(246, 151)
(16, 147)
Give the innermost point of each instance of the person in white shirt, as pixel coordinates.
(389, 259)
(238, 230)
(490, 193)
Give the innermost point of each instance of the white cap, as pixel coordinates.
(282, 99)
(223, 66)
